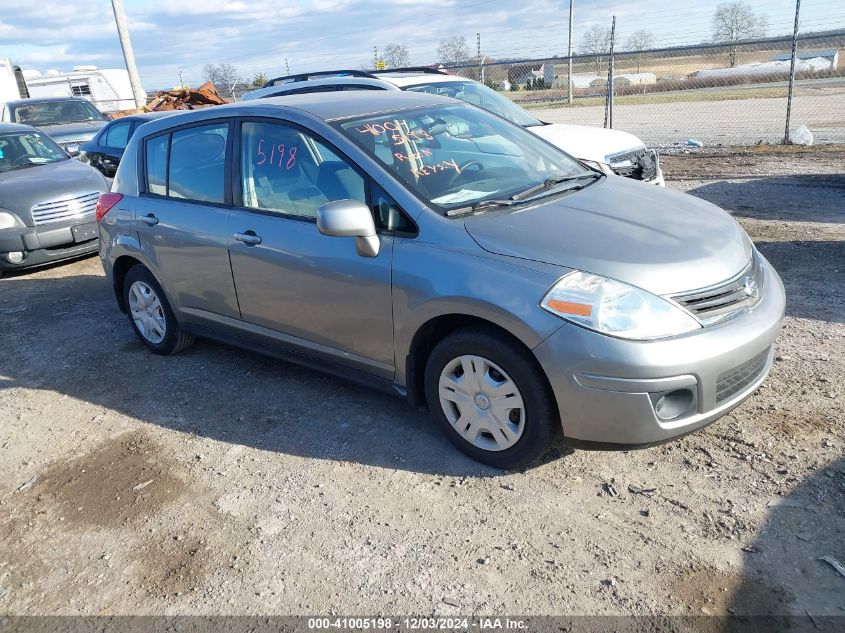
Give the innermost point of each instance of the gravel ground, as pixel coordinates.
(726, 122)
(218, 481)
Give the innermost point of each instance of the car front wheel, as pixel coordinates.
(491, 398)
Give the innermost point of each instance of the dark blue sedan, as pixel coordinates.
(105, 150)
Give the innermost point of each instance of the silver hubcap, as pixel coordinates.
(482, 403)
(147, 312)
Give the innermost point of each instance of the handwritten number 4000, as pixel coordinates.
(276, 151)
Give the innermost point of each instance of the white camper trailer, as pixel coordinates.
(12, 85)
(108, 88)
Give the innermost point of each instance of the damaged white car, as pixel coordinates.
(609, 151)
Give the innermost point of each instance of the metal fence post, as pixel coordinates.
(792, 73)
(569, 55)
(608, 104)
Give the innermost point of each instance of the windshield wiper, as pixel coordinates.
(519, 197)
(551, 182)
(479, 206)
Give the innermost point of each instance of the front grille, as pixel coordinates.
(736, 380)
(639, 164)
(74, 205)
(717, 303)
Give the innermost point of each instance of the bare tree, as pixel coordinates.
(453, 50)
(638, 42)
(223, 76)
(596, 42)
(396, 55)
(734, 22)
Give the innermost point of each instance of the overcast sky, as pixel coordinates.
(182, 35)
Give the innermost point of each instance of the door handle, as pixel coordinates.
(248, 237)
(150, 219)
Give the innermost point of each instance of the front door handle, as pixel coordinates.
(150, 219)
(248, 237)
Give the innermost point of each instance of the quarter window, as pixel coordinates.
(156, 152)
(289, 171)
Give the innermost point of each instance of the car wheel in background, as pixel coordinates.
(150, 313)
(491, 398)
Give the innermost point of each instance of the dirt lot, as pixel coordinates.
(714, 120)
(218, 481)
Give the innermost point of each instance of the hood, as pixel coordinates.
(20, 189)
(78, 131)
(586, 142)
(659, 240)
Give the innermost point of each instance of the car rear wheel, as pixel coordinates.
(150, 313)
(491, 398)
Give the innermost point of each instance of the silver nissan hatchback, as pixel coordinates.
(424, 246)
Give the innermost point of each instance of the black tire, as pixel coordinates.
(541, 419)
(175, 340)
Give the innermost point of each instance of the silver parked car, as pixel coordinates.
(70, 121)
(47, 200)
(417, 243)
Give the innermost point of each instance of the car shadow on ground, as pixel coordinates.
(798, 198)
(66, 335)
(783, 570)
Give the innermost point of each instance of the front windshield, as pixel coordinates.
(479, 95)
(454, 156)
(56, 112)
(19, 150)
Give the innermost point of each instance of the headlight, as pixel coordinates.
(615, 308)
(8, 219)
(602, 167)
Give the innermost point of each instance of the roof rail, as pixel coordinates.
(317, 75)
(411, 69)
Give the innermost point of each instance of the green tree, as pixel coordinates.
(259, 80)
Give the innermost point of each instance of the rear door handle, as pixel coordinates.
(248, 237)
(150, 219)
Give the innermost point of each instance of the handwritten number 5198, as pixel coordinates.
(274, 151)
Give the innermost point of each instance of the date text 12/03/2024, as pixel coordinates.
(417, 623)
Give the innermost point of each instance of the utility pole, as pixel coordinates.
(792, 72)
(128, 55)
(287, 67)
(608, 107)
(569, 54)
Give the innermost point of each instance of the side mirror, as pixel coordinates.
(350, 218)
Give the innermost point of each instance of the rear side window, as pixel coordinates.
(189, 164)
(156, 151)
(117, 135)
(198, 163)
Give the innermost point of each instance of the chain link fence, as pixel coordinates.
(711, 94)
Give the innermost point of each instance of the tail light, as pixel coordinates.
(105, 202)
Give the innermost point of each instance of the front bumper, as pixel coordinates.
(606, 388)
(48, 243)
